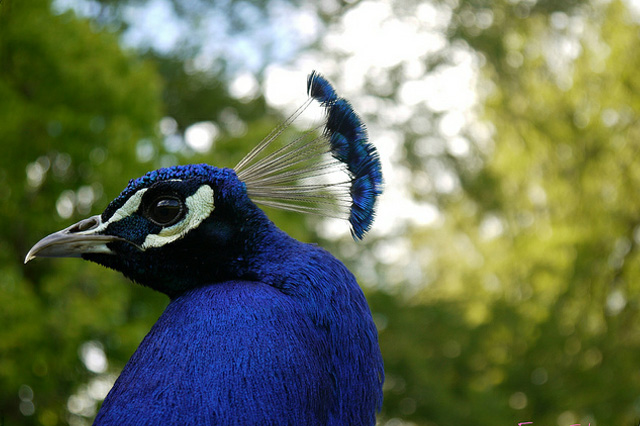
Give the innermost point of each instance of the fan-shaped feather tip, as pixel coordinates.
(320, 89)
(350, 145)
(296, 176)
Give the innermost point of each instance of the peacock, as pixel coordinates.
(261, 329)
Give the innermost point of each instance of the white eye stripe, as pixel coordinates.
(127, 209)
(199, 205)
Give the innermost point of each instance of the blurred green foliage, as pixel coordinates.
(529, 306)
(530, 312)
(72, 105)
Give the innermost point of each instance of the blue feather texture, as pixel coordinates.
(291, 177)
(245, 353)
(261, 328)
(270, 331)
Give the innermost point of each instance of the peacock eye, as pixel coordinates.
(165, 210)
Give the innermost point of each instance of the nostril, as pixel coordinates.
(85, 225)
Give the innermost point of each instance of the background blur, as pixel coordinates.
(503, 270)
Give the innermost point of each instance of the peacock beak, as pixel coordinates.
(74, 241)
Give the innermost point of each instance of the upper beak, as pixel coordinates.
(74, 241)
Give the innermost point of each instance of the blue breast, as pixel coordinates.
(305, 343)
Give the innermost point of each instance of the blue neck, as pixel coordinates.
(299, 335)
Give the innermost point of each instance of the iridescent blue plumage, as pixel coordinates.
(350, 145)
(320, 89)
(261, 329)
(362, 161)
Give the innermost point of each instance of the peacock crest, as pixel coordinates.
(331, 170)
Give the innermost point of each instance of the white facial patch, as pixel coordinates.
(127, 209)
(199, 205)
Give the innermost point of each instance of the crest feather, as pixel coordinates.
(300, 175)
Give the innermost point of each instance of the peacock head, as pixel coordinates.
(171, 229)
(179, 227)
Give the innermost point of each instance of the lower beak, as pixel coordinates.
(74, 241)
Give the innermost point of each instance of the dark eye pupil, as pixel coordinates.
(165, 211)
